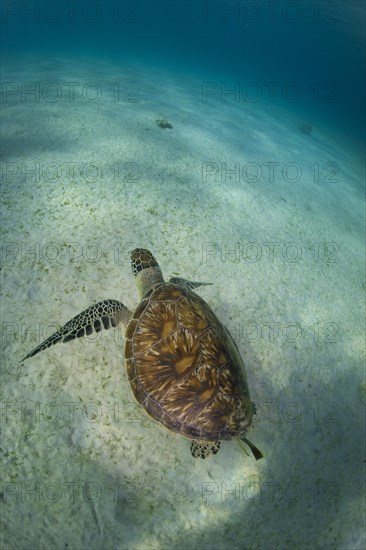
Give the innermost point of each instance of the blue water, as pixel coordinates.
(306, 55)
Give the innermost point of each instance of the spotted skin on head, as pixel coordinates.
(141, 259)
(145, 269)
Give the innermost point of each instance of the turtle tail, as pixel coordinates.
(256, 452)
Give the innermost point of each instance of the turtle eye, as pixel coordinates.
(137, 267)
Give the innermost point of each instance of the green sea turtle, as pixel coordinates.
(183, 366)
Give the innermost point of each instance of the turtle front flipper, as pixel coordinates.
(103, 315)
(190, 285)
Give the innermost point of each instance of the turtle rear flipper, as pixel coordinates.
(203, 449)
(103, 315)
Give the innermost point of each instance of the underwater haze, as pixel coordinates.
(228, 138)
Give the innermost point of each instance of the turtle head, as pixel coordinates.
(146, 270)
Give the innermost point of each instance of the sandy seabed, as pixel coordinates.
(232, 194)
